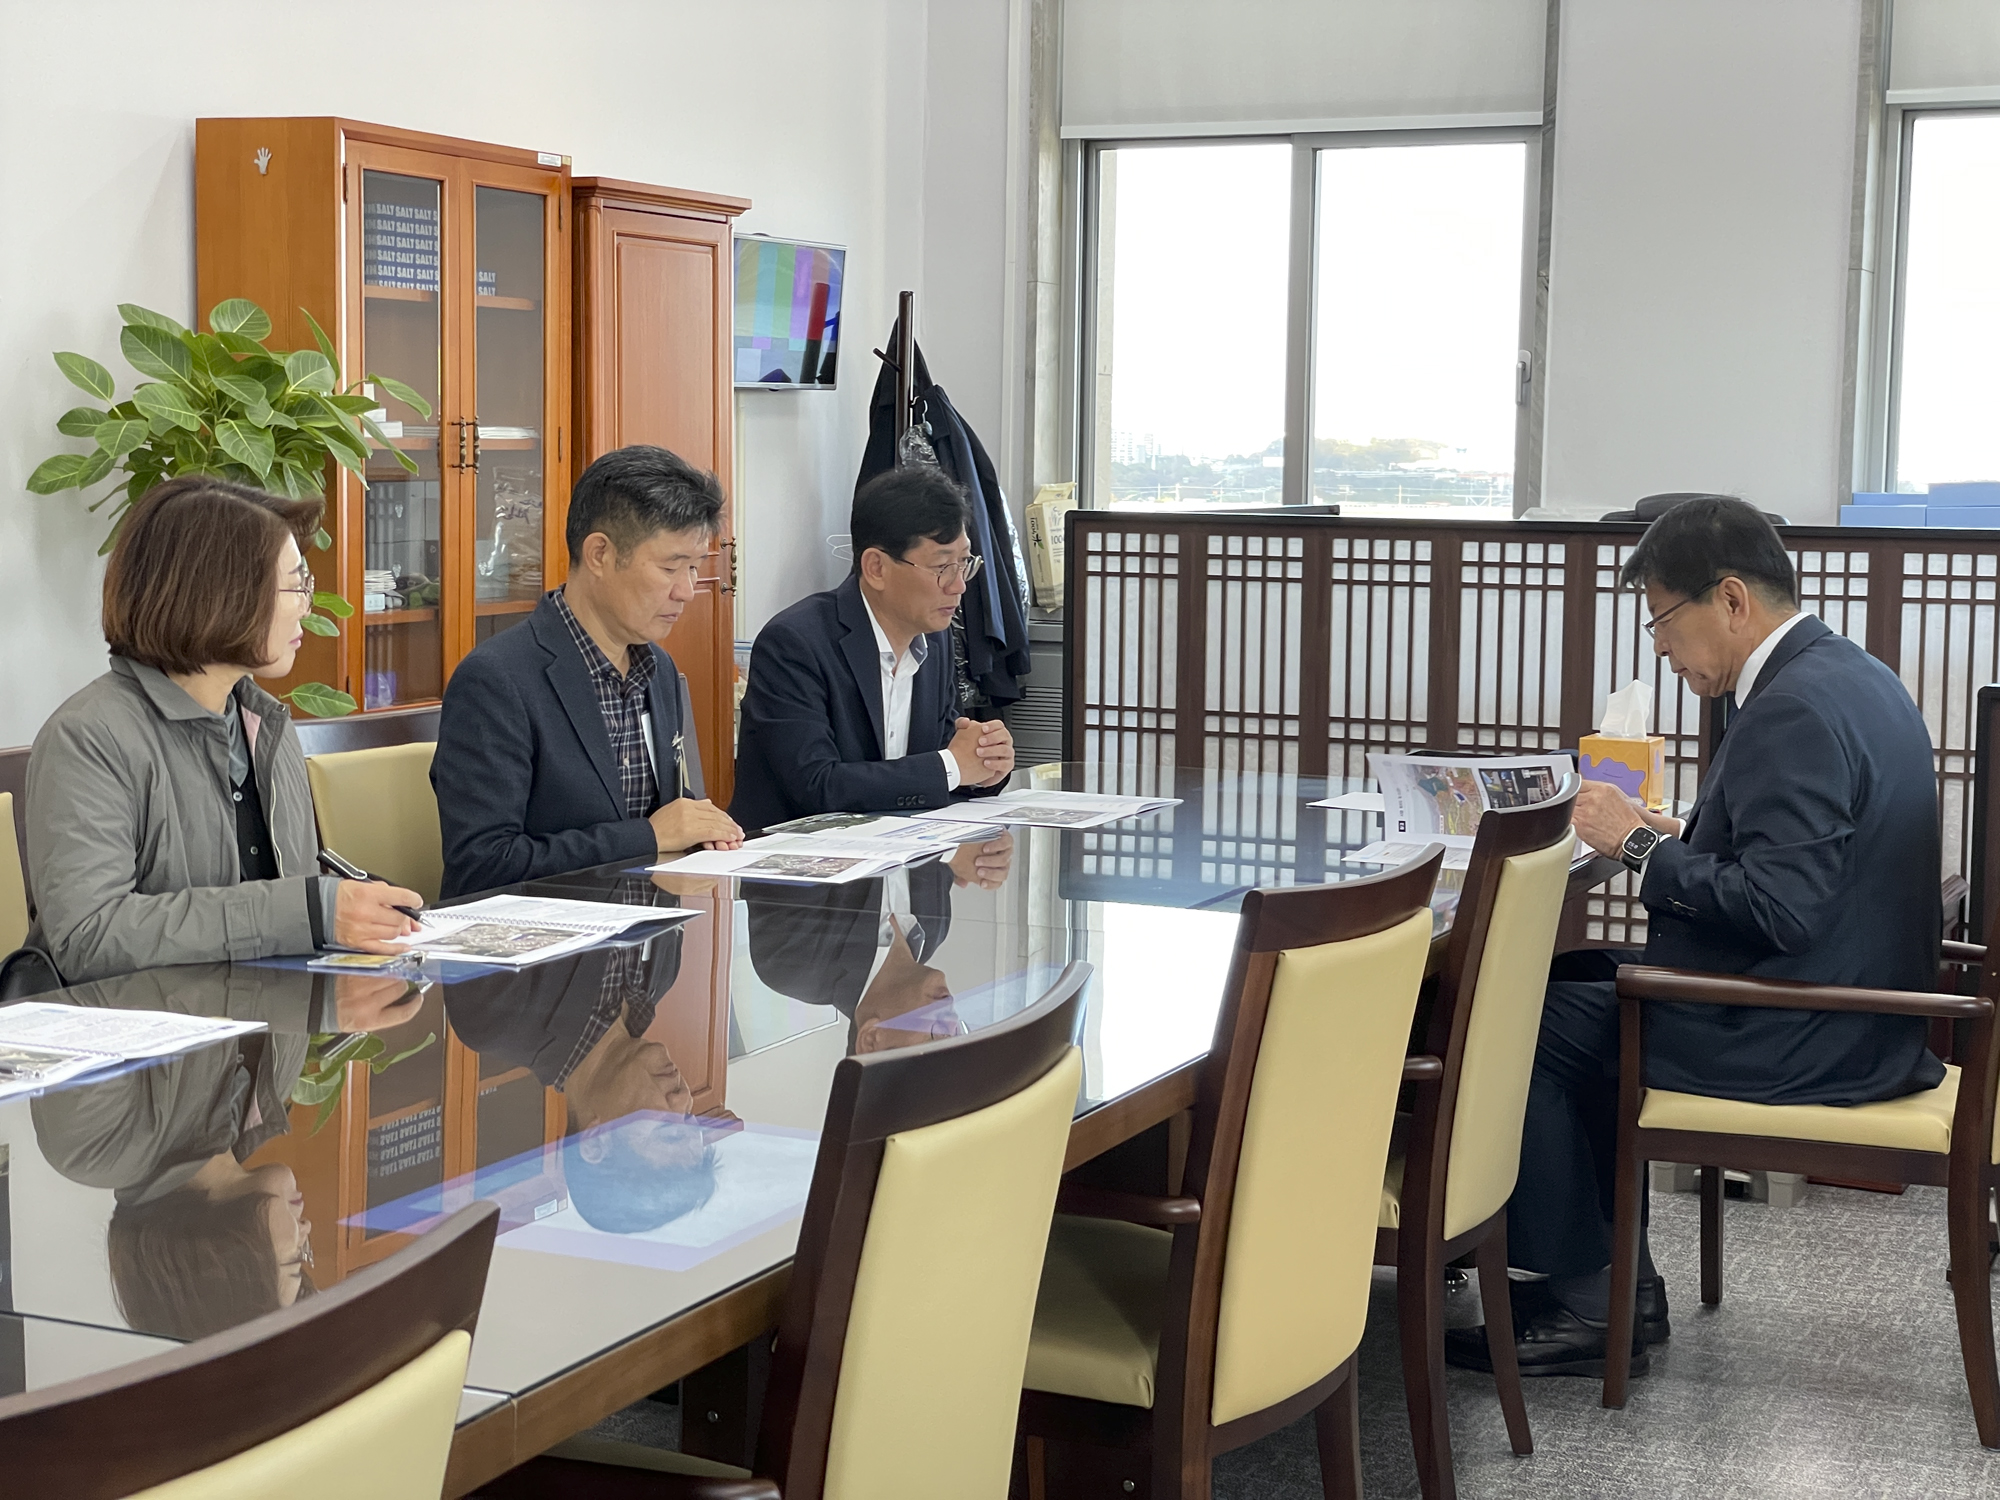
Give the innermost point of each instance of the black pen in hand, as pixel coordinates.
(346, 869)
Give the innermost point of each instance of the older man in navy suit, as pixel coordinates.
(852, 704)
(1811, 853)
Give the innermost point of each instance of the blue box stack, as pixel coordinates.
(399, 246)
(1976, 504)
(1971, 505)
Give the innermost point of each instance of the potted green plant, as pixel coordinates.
(221, 403)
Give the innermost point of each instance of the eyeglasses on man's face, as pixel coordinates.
(1653, 625)
(964, 570)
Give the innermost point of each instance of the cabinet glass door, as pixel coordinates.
(509, 407)
(402, 336)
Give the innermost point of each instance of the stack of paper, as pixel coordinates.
(42, 1043)
(834, 848)
(1426, 799)
(516, 930)
(1058, 809)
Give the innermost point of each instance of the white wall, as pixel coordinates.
(1697, 287)
(816, 112)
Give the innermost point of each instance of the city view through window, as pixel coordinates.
(1416, 330)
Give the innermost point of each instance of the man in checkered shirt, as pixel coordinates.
(562, 742)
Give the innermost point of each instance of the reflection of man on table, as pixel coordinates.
(634, 1154)
(865, 948)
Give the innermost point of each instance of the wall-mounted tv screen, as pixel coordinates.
(787, 312)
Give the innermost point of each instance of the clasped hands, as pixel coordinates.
(984, 752)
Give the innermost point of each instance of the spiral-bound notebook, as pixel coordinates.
(517, 930)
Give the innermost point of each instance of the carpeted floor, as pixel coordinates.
(1831, 1369)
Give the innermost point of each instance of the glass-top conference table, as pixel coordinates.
(645, 1115)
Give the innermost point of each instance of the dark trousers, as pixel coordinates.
(1559, 1219)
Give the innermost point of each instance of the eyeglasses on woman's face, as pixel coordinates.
(964, 570)
(301, 584)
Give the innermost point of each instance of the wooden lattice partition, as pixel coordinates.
(1197, 641)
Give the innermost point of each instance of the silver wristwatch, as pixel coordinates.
(1637, 849)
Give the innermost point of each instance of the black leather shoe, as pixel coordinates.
(1531, 1297)
(1551, 1341)
(1652, 1308)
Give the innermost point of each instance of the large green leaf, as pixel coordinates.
(403, 393)
(120, 435)
(58, 473)
(246, 444)
(323, 539)
(243, 388)
(309, 370)
(166, 403)
(320, 338)
(86, 374)
(95, 466)
(81, 421)
(240, 315)
(238, 343)
(319, 625)
(353, 405)
(155, 352)
(321, 701)
(333, 604)
(136, 316)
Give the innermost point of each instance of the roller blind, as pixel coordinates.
(1941, 50)
(1198, 67)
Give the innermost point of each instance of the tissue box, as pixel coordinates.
(1637, 767)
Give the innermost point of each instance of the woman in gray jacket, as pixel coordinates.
(169, 819)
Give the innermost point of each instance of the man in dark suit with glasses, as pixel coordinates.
(1811, 853)
(852, 703)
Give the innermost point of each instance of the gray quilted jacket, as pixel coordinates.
(132, 830)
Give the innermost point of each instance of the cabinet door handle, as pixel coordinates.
(475, 445)
(460, 425)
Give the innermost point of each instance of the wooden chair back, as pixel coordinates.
(13, 881)
(905, 1331)
(14, 780)
(369, 731)
(1984, 876)
(1268, 1290)
(1465, 1139)
(158, 1419)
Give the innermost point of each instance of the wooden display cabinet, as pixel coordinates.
(443, 264)
(654, 310)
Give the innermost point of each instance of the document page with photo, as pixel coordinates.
(1435, 798)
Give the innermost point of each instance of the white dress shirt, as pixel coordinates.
(899, 680)
(1754, 664)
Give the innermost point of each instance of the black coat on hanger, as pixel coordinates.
(994, 612)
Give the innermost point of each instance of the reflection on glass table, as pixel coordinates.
(644, 1114)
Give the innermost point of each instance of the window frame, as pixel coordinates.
(1302, 290)
(1881, 427)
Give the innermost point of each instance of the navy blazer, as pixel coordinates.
(525, 782)
(1812, 854)
(811, 737)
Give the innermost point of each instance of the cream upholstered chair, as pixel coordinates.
(1944, 1137)
(1446, 1191)
(13, 886)
(352, 1392)
(1179, 1328)
(376, 808)
(897, 1372)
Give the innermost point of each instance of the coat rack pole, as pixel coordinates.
(906, 360)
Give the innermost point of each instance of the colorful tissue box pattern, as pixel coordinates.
(1637, 767)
